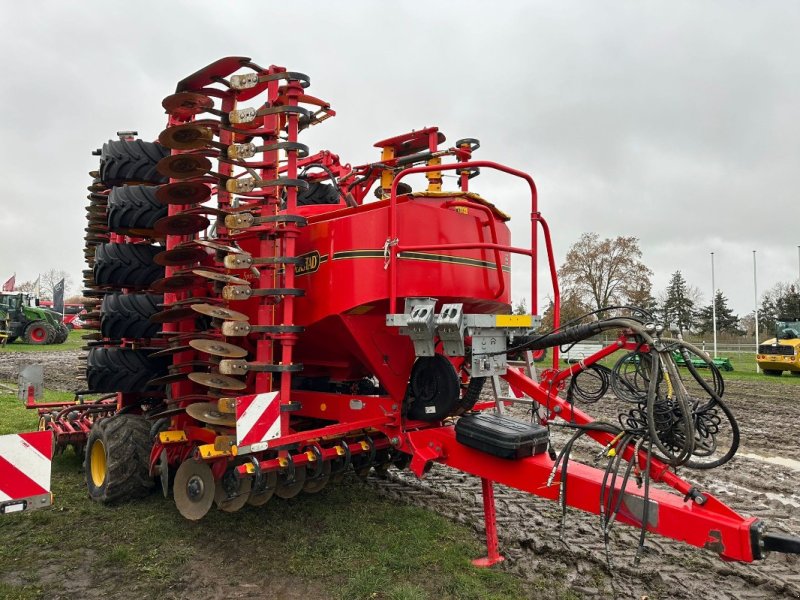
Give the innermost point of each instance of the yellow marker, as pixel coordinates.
(208, 451)
(513, 320)
(434, 177)
(387, 175)
(172, 437)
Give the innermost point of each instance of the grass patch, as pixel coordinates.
(344, 542)
(74, 342)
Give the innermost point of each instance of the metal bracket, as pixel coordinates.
(450, 328)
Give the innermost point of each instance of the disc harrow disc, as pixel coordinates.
(287, 488)
(170, 351)
(183, 166)
(219, 312)
(186, 104)
(223, 277)
(261, 495)
(176, 283)
(217, 348)
(232, 493)
(316, 484)
(214, 245)
(163, 472)
(184, 224)
(182, 255)
(189, 136)
(215, 380)
(193, 489)
(207, 412)
(183, 192)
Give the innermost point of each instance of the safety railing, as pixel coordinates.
(394, 247)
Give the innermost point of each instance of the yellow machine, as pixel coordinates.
(781, 353)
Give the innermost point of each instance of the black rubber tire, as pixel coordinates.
(131, 162)
(126, 265)
(773, 372)
(317, 193)
(30, 336)
(134, 207)
(61, 335)
(128, 316)
(127, 444)
(11, 339)
(122, 370)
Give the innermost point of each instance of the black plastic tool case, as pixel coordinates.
(501, 436)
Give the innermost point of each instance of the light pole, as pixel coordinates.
(755, 302)
(714, 305)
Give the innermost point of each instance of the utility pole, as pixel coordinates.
(755, 301)
(714, 305)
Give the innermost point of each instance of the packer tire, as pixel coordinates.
(38, 333)
(131, 162)
(128, 315)
(122, 370)
(126, 265)
(122, 472)
(134, 207)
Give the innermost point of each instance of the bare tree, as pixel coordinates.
(51, 279)
(606, 272)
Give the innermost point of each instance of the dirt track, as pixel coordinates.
(769, 417)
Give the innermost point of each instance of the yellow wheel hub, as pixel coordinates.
(98, 463)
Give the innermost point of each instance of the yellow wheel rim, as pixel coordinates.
(98, 463)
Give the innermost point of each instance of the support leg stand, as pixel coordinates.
(490, 519)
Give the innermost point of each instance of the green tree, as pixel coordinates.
(781, 300)
(601, 273)
(677, 306)
(727, 322)
(571, 308)
(520, 308)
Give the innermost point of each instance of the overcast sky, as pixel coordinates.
(675, 122)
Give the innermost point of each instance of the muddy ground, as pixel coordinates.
(769, 417)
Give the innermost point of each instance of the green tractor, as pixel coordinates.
(21, 318)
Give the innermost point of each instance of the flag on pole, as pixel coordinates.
(58, 297)
(37, 288)
(8, 286)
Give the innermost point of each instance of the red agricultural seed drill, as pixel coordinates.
(267, 325)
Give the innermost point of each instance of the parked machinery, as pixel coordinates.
(266, 325)
(781, 353)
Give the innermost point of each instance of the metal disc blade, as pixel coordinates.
(183, 166)
(286, 489)
(312, 486)
(223, 277)
(218, 312)
(207, 412)
(167, 379)
(183, 192)
(215, 380)
(163, 472)
(218, 246)
(186, 104)
(189, 136)
(232, 493)
(217, 348)
(193, 300)
(172, 315)
(193, 489)
(184, 224)
(170, 351)
(176, 283)
(260, 496)
(184, 255)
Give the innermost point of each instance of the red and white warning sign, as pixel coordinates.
(258, 420)
(25, 460)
